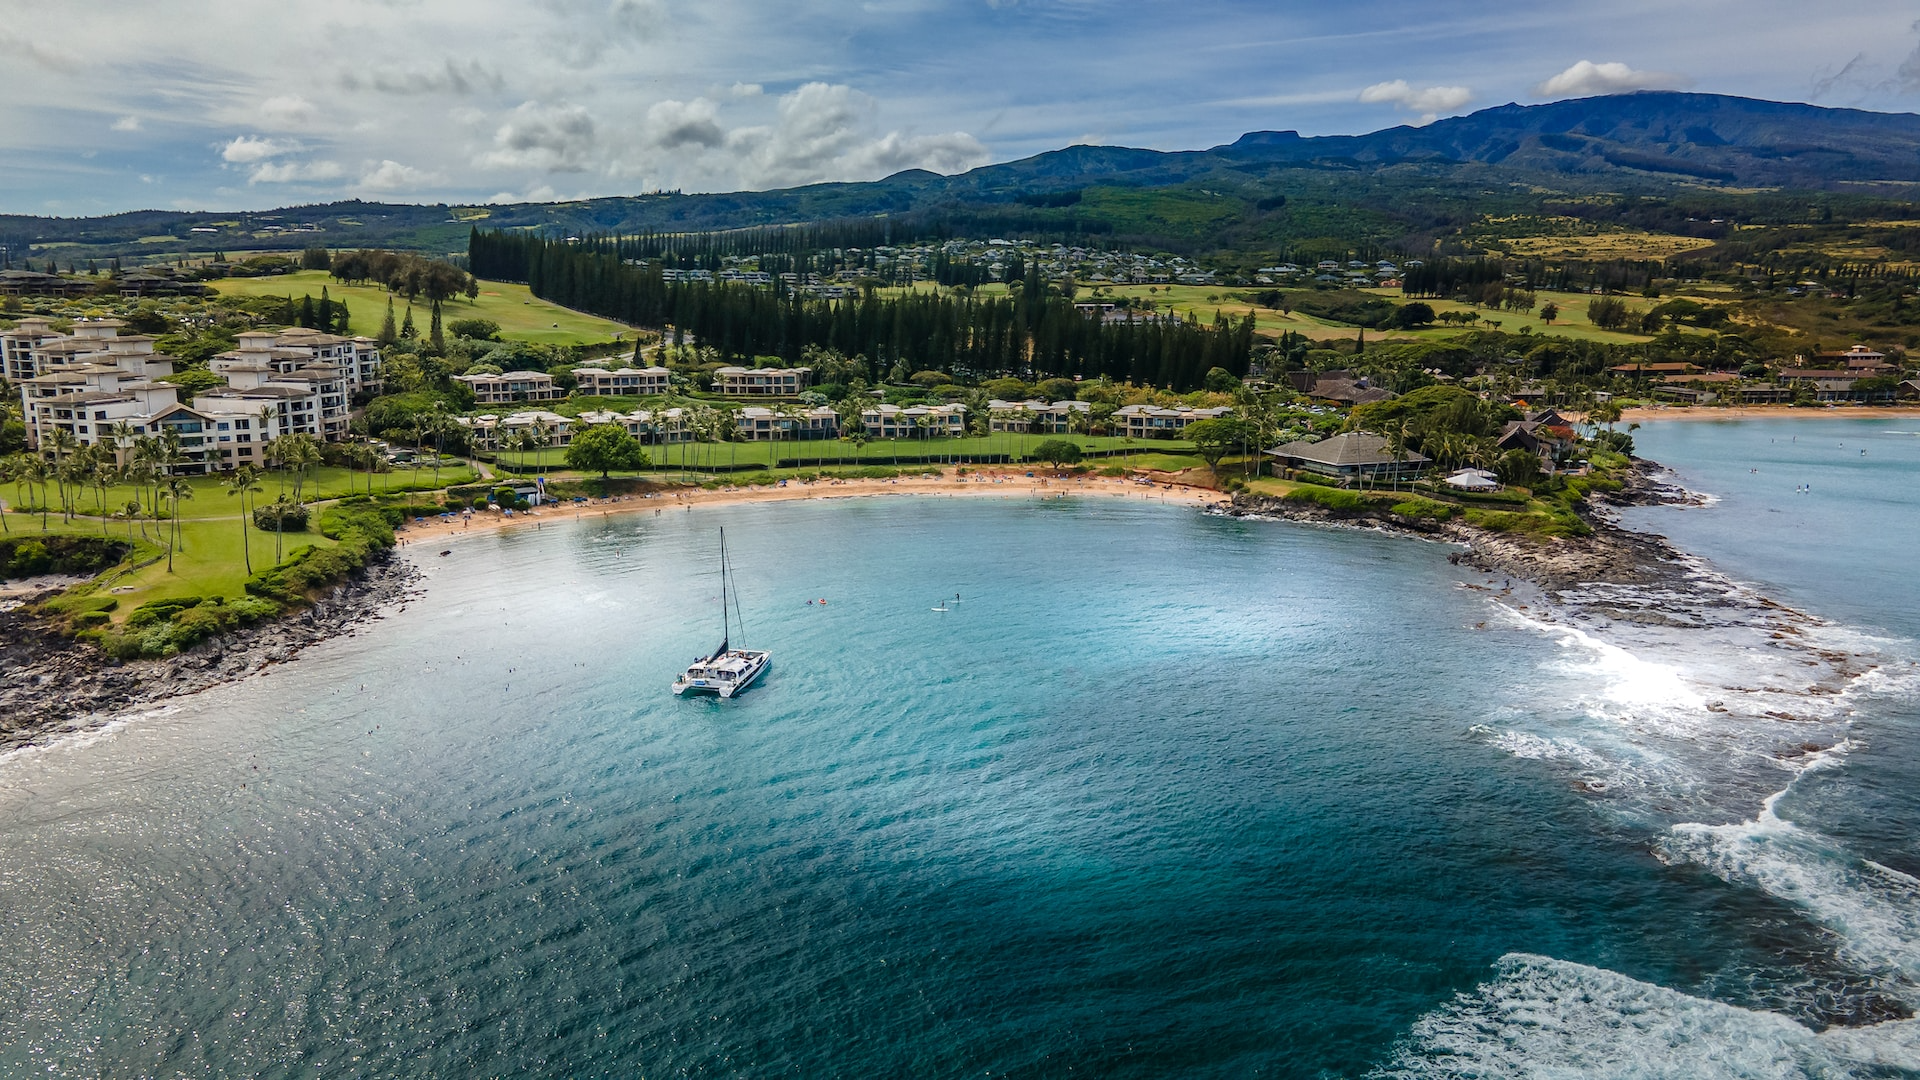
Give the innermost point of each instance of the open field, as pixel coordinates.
(520, 315)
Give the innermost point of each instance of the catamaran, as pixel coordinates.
(728, 670)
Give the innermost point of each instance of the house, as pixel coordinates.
(494, 434)
(761, 382)
(626, 382)
(1035, 417)
(511, 387)
(1337, 387)
(1859, 359)
(914, 421)
(648, 426)
(1828, 384)
(757, 424)
(1353, 457)
(1664, 368)
(1154, 422)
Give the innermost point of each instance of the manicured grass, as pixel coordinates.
(207, 562)
(210, 498)
(878, 451)
(520, 315)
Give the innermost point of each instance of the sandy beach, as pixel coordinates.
(1770, 412)
(1002, 484)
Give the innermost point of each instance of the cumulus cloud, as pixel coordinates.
(390, 175)
(246, 149)
(1429, 101)
(554, 138)
(284, 172)
(672, 125)
(126, 123)
(824, 131)
(1588, 79)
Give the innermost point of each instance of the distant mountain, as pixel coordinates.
(1644, 143)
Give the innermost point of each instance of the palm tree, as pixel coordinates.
(8, 473)
(242, 482)
(124, 435)
(178, 489)
(63, 445)
(104, 474)
(436, 423)
(301, 453)
(34, 470)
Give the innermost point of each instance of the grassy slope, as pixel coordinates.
(521, 317)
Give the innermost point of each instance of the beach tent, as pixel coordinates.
(1473, 480)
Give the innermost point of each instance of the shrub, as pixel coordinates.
(1424, 509)
(1331, 498)
(280, 516)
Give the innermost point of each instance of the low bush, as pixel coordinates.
(281, 517)
(1331, 498)
(1425, 509)
(32, 556)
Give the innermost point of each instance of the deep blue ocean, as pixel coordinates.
(1164, 794)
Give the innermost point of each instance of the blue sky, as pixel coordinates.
(239, 104)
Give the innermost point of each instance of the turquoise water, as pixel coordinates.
(1165, 795)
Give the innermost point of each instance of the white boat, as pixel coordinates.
(728, 670)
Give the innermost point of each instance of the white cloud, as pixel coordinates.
(554, 138)
(1587, 79)
(284, 172)
(288, 110)
(675, 124)
(246, 149)
(1429, 101)
(126, 123)
(389, 175)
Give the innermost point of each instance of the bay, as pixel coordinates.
(1163, 794)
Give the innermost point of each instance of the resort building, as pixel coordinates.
(761, 382)
(757, 424)
(627, 382)
(283, 352)
(914, 421)
(101, 388)
(17, 348)
(648, 426)
(495, 434)
(1354, 457)
(1154, 422)
(511, 388)
(1035, 417)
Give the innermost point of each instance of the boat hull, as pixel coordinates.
(755, 665)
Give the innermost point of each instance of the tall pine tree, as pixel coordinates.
(388, 335)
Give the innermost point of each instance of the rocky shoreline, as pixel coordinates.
(52, 685)
(1611, 556)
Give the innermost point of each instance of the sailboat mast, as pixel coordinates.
(726, 627)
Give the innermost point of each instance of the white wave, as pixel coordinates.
(1872, 911)
(81, 738)
(1554, 1020)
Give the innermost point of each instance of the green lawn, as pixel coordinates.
(208, 562)
(877, 452)
(521, 317)
(210, 498)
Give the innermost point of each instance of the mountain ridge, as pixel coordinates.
(1640, 143)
